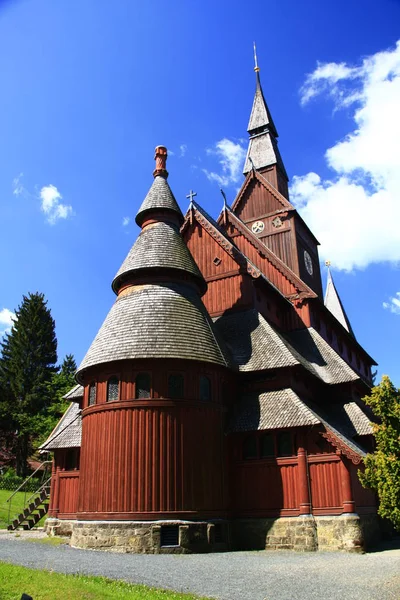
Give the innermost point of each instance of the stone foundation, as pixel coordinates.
(146, 537)
(53, 526)
(347, 532)
(283, 533)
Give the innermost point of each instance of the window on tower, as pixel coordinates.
(175, 386)
(92, 394)
(142, 385)
(205, 388)
(112, 389)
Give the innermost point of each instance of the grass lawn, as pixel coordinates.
(17, 504)
(46, 585)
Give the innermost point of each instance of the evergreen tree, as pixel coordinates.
(61, 383)
(27, 365)
(382, 468)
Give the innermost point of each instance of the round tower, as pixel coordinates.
(152, 454)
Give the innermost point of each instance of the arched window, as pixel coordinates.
(250, 447)
(142, 385)
(112, 389)
(205, 388)
(92, 394)
(175, 386)
(267, 445)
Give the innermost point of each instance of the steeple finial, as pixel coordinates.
(256, 67)
(160, 157)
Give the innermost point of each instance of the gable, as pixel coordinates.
(258, 198)
(270, 265)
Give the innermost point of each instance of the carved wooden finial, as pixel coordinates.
(160, 157)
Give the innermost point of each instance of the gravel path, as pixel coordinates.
(228, 576)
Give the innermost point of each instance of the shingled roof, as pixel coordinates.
(75, 393)
(260, 117)
(68, 431)
(276, 409)
(158, 197)
(156, 321)
(255, 345)
(159, 246)
(334, 304)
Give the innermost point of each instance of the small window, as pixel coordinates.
(217, 261)
(205, 388)
(143, 385)
(92, 394)
(175, 386)
(285, 444)
(72, 459)
(250, 447)
(112, 389)
(267, 445)
(169, 535)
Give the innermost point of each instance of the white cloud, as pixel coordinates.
(394, 304)
(6, 320)
(355, 214)
(126, 221)
(182, 150)
(52, 206)
(231, 157)
(17, 186)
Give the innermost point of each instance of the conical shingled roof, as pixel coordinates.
(334, 304)
(159, 246)
(159, 196)
(260, 117)
(159, 312)
(156, 321)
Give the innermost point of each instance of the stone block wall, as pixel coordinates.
(348, 532)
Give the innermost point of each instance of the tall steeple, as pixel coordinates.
(263, 153)
(334, 304)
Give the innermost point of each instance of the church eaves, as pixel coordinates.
(334, 304)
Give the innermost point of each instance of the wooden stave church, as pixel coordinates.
(220, 404)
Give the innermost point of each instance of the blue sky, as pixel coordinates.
(90, 88)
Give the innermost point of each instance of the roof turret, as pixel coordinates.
(158, 312)
(334, 304)
(159, 196)
(159, 249)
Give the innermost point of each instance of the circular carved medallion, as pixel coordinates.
(257, 227)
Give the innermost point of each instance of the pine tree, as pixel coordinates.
(382, 468)
(27, 365)
(61, 383)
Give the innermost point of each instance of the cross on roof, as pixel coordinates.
(191, 195)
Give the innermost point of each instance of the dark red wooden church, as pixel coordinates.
(219, 406)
